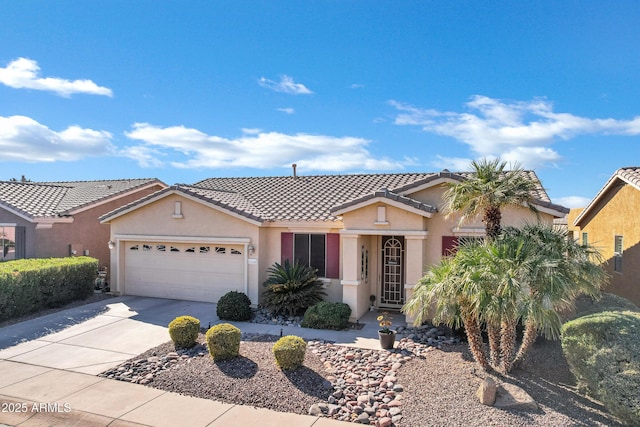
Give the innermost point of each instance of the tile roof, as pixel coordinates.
(629, 175)
(311, 198)
(386, 194)
(51, 199)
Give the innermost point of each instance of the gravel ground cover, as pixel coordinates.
(414, 385)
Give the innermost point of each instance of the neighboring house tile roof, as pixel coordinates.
(54, 199)
(311, 198)
(629, 175)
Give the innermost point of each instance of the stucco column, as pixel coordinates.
(352, 288)
(415, 254)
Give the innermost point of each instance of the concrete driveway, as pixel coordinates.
(97, 336)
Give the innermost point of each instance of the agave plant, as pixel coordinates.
(291, 288)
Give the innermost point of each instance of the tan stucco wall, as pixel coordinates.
(198, 221)
(617, 214)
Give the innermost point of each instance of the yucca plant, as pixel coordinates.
(291, 288)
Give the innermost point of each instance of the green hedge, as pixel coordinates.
(327, 315)
(28, 285)
(603, 352)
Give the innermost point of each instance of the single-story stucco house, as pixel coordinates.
(367, 234)
(59, 219)
(610, 222)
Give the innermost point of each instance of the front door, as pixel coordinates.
(392, 292)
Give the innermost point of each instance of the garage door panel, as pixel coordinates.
(191, 271)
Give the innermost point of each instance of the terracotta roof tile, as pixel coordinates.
(50, 199)
(313, 198)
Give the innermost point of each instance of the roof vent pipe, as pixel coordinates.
(294, 170)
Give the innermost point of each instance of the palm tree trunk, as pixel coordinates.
(507, 344)
(494, 344)
(474, 336)
(530, 335)
(492, 219)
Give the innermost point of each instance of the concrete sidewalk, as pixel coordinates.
(36, 396)
(48, 368)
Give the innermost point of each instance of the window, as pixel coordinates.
(310, 250)
(585, 239)
(617, 254)
(330, 268)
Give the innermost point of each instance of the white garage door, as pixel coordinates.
(194, 272)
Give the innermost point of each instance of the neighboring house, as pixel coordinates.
(611, 223)
(366, 234)
(59, 219)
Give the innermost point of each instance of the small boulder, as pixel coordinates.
(487, 391)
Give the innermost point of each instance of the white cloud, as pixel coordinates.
(286, 110)
(453, 164)
(521, 131)
(356, 86)
(261, 150)
(24, 139)
(24, 73)
(285, 85)
(572, 201)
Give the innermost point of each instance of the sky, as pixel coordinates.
(186, 90)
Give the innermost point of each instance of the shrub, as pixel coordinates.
(291, 288)
(234, 305)
(327, 315)
(603, 353)
(289, 352)
(184, 331)
(223, 341)
(28, 285)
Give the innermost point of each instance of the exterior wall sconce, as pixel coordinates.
(251, 249)
(111, 244)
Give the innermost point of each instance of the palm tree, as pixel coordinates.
(530, 274)
(452, 290)
(561, 270)
(487, 191)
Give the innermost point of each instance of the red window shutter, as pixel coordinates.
(286, 247)
(449, 245)
(333, 256)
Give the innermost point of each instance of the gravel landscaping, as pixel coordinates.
(417, 384)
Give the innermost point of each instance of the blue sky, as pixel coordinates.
(183, 91)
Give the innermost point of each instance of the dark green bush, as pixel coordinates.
(327, 315)
(223, 341)
(603, 352)
(184, 331)
(291, 288)
(28, 285)
(289, 352)
(234, 305)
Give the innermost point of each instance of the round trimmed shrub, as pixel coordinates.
(184, 331)
(234, 305)
(327, 315)
(223, 341)
(603, 352)
(289, 352)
